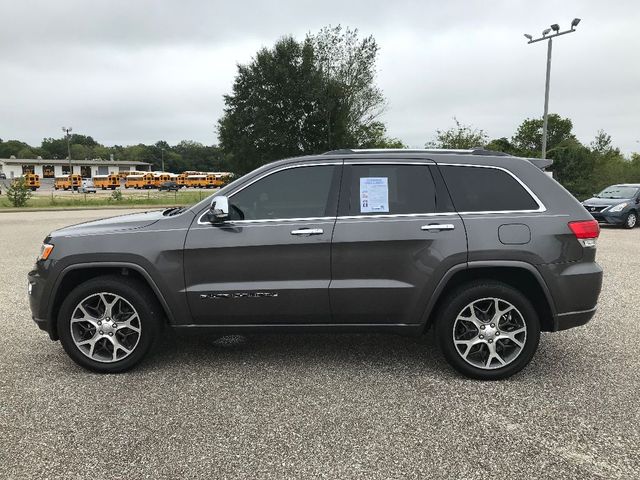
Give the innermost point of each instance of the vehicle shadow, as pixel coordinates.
(291, 351)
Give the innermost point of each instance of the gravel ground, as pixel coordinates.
(351, 406)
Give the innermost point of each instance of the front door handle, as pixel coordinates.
(438, 226)
(307, 231)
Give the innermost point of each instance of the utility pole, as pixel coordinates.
(545, 36)
(67, 131)
(162, 156)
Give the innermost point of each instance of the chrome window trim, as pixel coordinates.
(541, 206)
(266, 174)
(399, 215)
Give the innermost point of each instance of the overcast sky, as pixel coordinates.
(139, 71)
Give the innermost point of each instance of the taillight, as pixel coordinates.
(586, 232)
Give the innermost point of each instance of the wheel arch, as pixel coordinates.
(74, 275)
(521, 275)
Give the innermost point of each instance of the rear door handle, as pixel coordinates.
(307, 231)
(438, 226)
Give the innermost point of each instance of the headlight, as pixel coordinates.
(45, 251)
(619, 207)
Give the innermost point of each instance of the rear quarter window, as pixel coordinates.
(482, 189)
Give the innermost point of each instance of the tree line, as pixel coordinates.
(310, 96)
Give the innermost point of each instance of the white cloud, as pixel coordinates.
(128, 72)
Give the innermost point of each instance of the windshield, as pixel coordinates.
(618, 191)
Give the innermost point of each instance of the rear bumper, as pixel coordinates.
(575, 288)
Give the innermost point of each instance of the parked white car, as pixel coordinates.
(87, 187)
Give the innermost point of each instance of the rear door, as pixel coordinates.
(270, 263)
(395, 237)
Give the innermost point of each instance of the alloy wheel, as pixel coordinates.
(489, 333)
(105, 327)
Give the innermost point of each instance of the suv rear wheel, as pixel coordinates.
(488, 330)
(108, 324)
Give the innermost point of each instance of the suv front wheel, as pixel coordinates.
(108, 324)
(488, 330)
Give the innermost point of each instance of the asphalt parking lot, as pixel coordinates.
(351, 406)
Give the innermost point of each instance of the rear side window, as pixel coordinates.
(391, 190)
(478, 189)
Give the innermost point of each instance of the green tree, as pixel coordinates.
(573, 166)
(18, 192)
(26, 152)
(273, 111)
(603, 144)
(352, 101)
(12, 147)
(502, 144)
(459, 137)
(80, 152)
(302, 98)
(528, 137)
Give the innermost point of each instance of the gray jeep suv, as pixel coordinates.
(483, 247)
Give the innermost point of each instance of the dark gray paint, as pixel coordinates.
(384, 272)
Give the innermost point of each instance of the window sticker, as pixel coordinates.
(374, 195)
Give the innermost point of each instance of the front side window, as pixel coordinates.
(391, 190)
(300, 192)
(479, 189)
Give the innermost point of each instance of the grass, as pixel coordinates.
(90, 200)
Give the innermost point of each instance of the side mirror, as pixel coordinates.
(637, 199)
(219, 210)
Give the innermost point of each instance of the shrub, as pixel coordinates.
(19, 192)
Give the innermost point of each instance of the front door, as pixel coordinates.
(270, 263)
(395, 237)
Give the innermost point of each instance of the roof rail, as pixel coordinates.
(472, 151)
(541, 163)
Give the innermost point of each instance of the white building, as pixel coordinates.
(15, 167)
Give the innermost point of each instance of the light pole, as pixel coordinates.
(162, 157)
(545, 36)
(67, 131)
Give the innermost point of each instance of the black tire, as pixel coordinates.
(631, 221)
(455, 304)
(135, 293)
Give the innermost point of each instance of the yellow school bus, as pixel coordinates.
(197, 181)
(32, 180)
(67, 182)
(106, 181)
(181, 180)
(221, 178)
(125, 173)
(144, 180)
(160, 178)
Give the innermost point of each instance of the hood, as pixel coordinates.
(603, 202)
(122, 222)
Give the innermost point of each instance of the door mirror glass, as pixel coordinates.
(219, 210)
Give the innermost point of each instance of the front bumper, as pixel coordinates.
(616, 218)
(37, 290)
